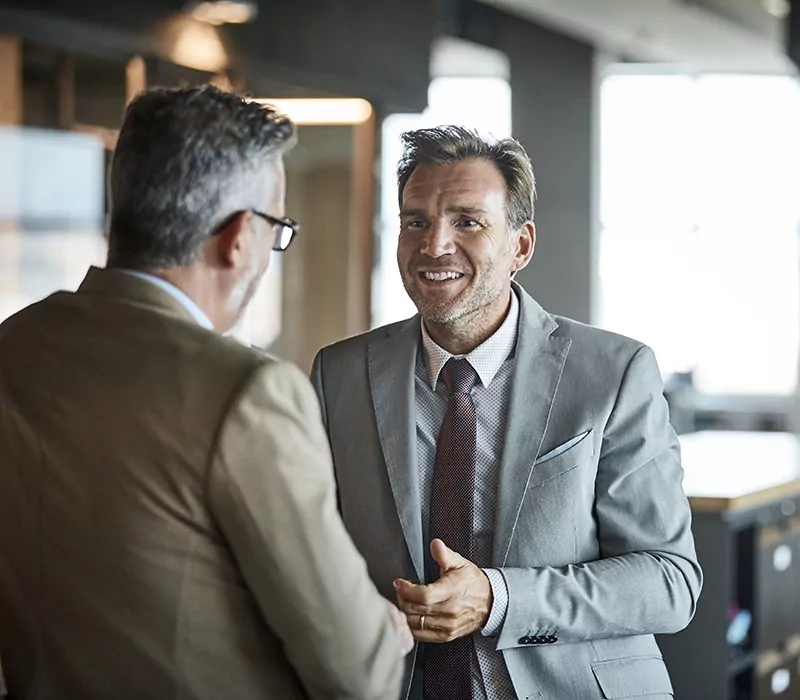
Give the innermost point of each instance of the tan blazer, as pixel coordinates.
(168, 522)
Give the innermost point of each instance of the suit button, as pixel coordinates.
(525, 640)
(551, 639)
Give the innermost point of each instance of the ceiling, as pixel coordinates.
(737, 35)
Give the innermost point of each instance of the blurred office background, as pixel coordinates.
(665, 137)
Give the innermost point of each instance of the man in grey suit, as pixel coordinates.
(168, 521)
(511, 474)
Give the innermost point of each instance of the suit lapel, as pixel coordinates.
(392, 365)
(539, 362)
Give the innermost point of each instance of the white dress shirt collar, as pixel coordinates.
(487, 358)
(179, 295)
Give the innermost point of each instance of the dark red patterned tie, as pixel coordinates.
(447, 674)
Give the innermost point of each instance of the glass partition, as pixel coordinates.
(51, 212)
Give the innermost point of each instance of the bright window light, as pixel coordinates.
(699, 211)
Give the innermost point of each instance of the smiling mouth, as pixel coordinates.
(441, 277)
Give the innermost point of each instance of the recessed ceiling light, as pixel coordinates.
(218, 12)
(319, 111)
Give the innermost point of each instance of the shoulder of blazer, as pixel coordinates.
(590, 347)
(360, 343)
(590, 337)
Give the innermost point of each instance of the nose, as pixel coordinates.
(439, 240)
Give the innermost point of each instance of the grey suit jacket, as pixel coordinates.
(593, 528)
(168, 521)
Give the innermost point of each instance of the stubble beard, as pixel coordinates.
(251, 287)
(453, 312)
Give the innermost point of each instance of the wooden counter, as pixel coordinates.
(728, 470)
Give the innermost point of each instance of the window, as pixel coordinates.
(699, 210)
(51, 213)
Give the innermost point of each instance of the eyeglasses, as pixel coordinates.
(286, 230)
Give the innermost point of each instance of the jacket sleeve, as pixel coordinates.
(647, 579)
(273, 495)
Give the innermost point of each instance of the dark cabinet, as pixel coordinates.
(777, 583)
(744, 642)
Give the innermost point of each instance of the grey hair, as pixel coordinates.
(187, 160)
(443, 145)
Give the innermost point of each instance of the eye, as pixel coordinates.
(415, 223)
(466, 222)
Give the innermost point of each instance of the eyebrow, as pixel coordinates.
(450, 210)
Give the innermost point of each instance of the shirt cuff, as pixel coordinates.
(497, 615)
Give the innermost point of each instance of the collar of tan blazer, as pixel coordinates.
(539, 362)
(133, 290)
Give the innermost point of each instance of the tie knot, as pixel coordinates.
(459, 376)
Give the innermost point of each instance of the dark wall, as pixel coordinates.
(381, 47)
(793, 32)
(97, 88)
(135, 16)
(378, 50)
(553, 109)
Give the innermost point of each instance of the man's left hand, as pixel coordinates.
(456, 605)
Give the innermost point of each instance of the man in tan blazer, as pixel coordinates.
(168, 522)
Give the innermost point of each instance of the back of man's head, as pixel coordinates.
(186, 161)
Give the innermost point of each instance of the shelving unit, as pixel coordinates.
(744, 490)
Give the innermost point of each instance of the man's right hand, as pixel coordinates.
(401, 626)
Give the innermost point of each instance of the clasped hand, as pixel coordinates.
(456, 605)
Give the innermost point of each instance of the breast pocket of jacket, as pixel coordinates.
(643, 677)
(562, 459)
